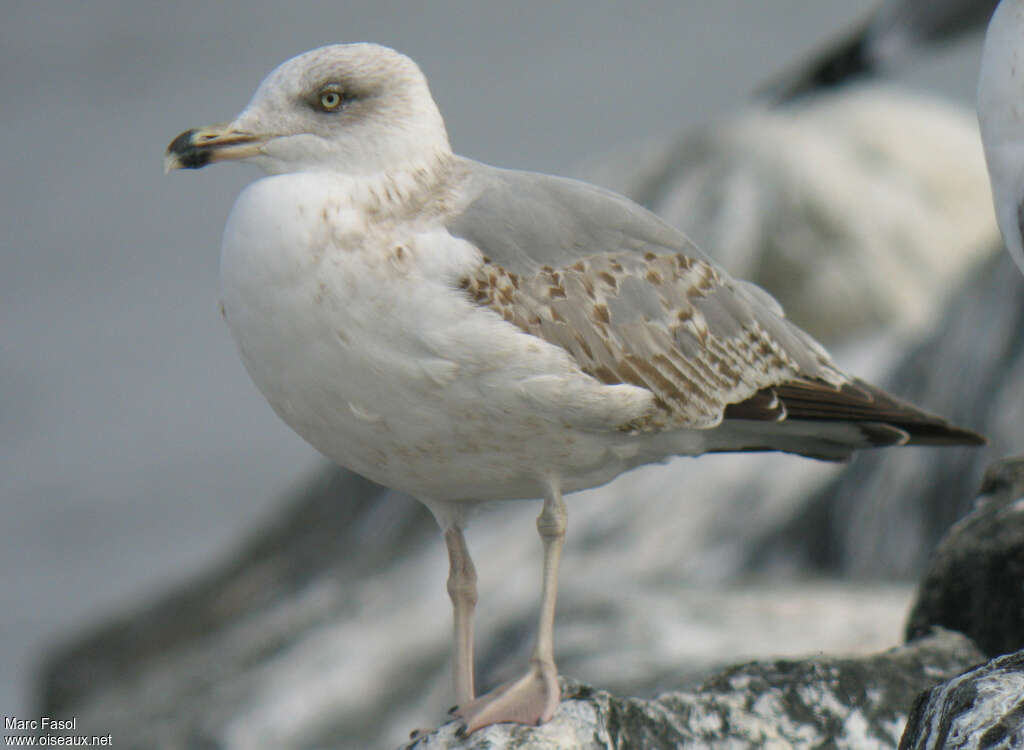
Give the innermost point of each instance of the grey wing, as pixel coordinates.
(631, 299)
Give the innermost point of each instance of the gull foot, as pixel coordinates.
(532, 699)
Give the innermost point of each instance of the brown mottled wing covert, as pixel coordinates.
(639, 320)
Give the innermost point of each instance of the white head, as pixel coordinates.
(352, 108)
(1001, 117)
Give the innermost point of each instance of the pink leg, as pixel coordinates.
(462, 590)
(533, 698)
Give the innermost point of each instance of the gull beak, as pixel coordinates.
(201, 146)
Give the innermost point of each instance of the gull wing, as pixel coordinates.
(634, 301)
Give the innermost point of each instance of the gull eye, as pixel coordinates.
(330, 100)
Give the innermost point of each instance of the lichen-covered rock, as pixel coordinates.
(982, 709)
(859, 704)
(974, 583)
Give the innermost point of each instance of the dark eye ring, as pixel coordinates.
(330, 100)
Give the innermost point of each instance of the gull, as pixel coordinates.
(1000, 98)
(466, 334)
(892, 31)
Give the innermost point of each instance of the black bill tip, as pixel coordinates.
(185, 154)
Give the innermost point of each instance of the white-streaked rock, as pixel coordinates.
(317, 666)
(854, 704)
(982, 709)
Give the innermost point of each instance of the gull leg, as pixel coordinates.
(533, 698)
(462, 590)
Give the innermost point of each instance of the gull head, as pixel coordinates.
(349, 108)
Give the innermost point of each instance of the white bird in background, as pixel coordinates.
(1001, 117)
(465, 333)
(890, 34)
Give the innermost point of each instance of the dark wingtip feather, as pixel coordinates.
(922, 428)
(881, 418)
(945, 433)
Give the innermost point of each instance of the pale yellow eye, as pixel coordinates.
(330, 100)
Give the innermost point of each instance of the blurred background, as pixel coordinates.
(135, 451)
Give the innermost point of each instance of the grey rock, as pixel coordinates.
(974, 583)
(822, 702)
(344, 663)
(175, 672)
(982, 709)
(888, 511)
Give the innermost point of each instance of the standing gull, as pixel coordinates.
(465, 333)
(1001, 117)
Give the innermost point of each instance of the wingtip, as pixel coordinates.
(945, 433)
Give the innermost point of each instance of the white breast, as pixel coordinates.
(358, 336)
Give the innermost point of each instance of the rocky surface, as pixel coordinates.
(980, 710)
(188, 668)
(974, 583)
(351, 662)
(821, 702)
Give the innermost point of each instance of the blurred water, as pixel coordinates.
(133, 449)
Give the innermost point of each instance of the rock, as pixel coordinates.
(974, 583)
(885, 514)
(353, 663)
(182, 669)
(823, 702)
(980, 710)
